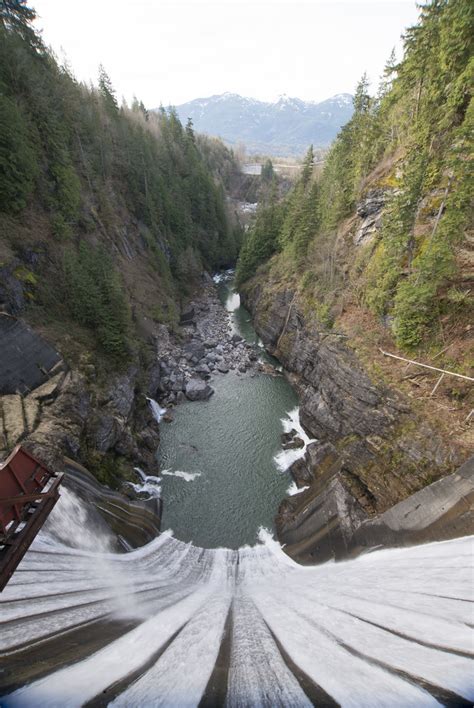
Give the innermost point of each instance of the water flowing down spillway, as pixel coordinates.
(171, 624)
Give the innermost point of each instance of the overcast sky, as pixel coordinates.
(171, 51)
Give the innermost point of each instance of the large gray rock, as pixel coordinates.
(104, 432)
(195, 349)
(187, 316)
(121, 393)
(372, 203)
(198, 390)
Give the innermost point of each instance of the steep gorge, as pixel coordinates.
(129, 212)
(371, 450)
(375, 254)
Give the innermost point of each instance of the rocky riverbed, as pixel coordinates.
(206, 347)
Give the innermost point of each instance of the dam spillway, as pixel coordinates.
(171, 624)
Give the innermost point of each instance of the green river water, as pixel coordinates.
(220, 480)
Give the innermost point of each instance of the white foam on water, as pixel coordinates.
(232, 302)
(156, 409)
(293, 489)
(223, 275)
(187, 476)
(285, 458)
(149, 484)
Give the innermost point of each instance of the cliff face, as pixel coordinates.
(371, 450)
(57, 410)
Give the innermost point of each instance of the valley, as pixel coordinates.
(253, 368)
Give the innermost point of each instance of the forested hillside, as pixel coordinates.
(108, 213)
(387, 228)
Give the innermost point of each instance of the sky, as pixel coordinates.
(171, 51)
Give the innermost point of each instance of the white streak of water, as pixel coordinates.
(285, 458)
(293, 489)
(187, 476)
(156, 409)
(149, 484)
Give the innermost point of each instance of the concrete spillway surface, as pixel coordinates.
(171, 624)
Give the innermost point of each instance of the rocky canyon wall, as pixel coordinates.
(371, 453)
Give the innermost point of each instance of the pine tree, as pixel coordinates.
(308, 165)
(16, 16)
(107, 91)
(267, 172)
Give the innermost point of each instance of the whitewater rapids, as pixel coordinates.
(170, 624)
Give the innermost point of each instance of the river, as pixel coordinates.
(176, 625)
(221, 481)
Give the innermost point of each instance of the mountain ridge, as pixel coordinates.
(285, 127)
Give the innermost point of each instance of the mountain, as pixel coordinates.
(286, 127)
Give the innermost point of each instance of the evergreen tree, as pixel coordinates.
(308, 165)
(107, 91)
(262, 240)
(16, 16)
(18, 159)
(267, 172)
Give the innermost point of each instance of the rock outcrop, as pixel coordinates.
(55, 411)
(371, 451)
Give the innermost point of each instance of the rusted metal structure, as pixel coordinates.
(28, 493)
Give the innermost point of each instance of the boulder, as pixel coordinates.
(222, 367)
(48, 390)
(291, 440)
(194, 349)
(198, 390)
(187, 316)
(178, 383)
(293, 444)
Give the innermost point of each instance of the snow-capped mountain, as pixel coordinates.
(286, 127)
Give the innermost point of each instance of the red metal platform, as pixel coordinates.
(28, 493)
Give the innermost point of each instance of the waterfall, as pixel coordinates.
(285, 458)
(156, 409)
(149, 484)
(169, 623)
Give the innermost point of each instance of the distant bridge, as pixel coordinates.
(255, 168)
